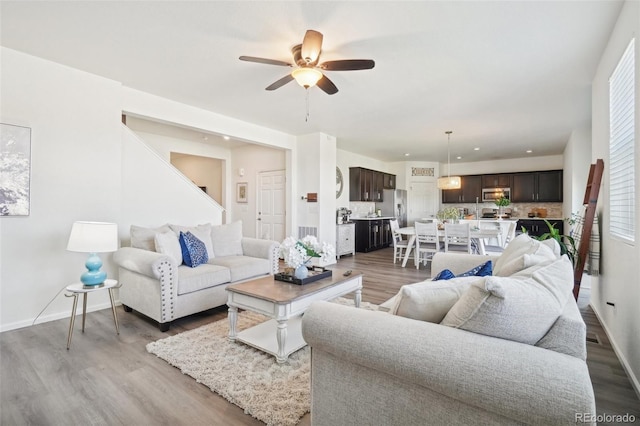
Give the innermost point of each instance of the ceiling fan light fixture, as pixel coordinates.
(449, 182)
(306, 77)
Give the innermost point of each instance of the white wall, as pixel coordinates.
(161, 194)
(75, 175)
(577, 159)
(316, 159)
(80, 172)
(253, 159)
(525, 164)
(619, 282)
(202, 171)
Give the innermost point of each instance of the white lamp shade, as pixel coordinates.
(449, 182)
(93, 237)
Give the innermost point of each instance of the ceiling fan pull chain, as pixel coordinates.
(306, 118)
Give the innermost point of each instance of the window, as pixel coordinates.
(621, 149)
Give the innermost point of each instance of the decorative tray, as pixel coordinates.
(315, 273)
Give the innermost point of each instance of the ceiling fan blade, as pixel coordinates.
(348, 65)
(311, 46)
(284, 80)
(265, 61)
(327, 85)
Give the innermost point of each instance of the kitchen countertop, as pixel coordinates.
(372, 218)
(540, 218)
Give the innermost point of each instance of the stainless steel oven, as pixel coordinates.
(493, 194)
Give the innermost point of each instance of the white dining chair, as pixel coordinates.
(399, 244)
(492, 225)
(457, 237)
(427, 242)
(498, 249)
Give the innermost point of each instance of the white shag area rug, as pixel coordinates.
(277, 394)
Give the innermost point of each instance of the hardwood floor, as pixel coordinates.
(105, 379)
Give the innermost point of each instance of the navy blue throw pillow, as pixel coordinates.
(445, 274)
(482, 270)
(194, 252)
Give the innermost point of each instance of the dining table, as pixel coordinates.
(477, 234)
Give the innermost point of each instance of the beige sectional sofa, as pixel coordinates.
(512, 351)
(156, 282)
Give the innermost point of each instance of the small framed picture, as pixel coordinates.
(241, 192)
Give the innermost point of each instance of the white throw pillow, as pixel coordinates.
(430, 300)
(520, 308)
(168, 243)
(143, 238)
(201, 232)
(227, 239)
(512, 259)
(553, 245)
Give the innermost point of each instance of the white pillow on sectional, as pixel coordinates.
(167, 243)
(227, 239)
(143, 238)
(512, 261)
(201, 232)
(430, 300)
(520, 308)
(553, 245)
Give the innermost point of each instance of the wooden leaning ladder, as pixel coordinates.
(590, 200)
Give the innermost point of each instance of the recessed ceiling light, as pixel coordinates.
(476, 149)
(529, 151)
(226, 138)
(406, 154)
(459, 157)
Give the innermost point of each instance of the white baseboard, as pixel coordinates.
(625, 365)
(52, 317)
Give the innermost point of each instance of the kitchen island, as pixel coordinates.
(372, 233)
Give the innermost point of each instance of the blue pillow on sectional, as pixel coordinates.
(445, 274)
(194, 252)
(482, 270)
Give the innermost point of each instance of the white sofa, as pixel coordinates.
(156, 283)
(376, 368)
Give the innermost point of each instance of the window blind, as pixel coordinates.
(621, 147)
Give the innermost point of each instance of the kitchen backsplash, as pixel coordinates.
(554, 210)
(361, 209)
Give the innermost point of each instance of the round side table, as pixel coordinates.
(78, 288)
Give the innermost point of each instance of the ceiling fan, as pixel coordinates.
(307, 72)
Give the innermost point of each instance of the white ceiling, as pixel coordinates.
(505, 76)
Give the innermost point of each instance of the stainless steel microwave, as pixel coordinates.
(493, 194)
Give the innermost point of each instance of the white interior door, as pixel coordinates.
(271, 205)
(422, 201)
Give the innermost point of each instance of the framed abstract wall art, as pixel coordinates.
(241, 192)
(15, 170)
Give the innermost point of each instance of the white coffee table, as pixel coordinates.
(284, 303)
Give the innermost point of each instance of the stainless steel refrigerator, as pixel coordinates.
(394, 204)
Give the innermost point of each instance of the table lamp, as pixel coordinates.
(93, 238)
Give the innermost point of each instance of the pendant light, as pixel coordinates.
(449, 182)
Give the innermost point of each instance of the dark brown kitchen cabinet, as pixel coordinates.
(502, 180)
(367, 185)
(534, 187)
(378, 186)
(471, 188)
(389, 181)
(537, 227)
(372, 235)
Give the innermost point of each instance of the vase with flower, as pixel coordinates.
(298, 253)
